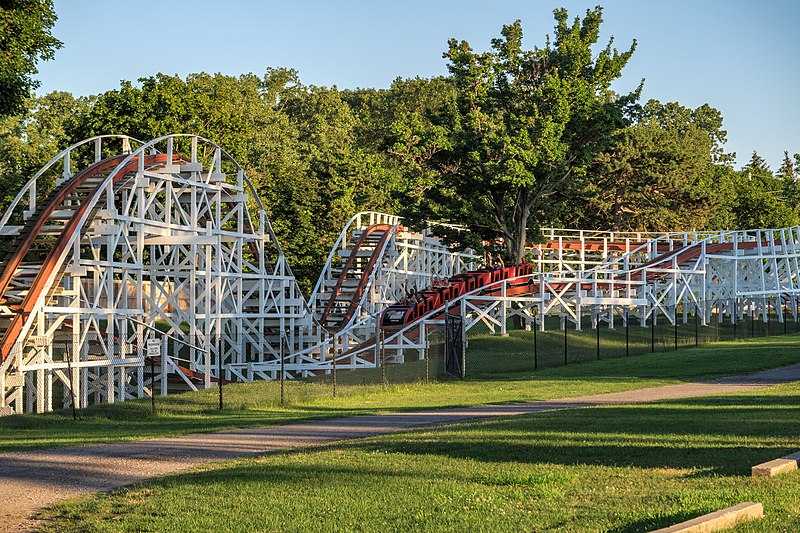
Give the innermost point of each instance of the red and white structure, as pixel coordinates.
(119, 249)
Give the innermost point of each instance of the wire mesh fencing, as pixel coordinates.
(561, 343)
(530, 347)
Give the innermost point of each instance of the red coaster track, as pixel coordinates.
(335, 316)
(71, 197)
(405, 313)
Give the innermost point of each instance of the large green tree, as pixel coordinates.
(523, 127)
(510, 140)
(667, 171)
(759, 200)
(789, 175)
(25, 39)
(299, 146)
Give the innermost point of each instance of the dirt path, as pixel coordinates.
(33, 479)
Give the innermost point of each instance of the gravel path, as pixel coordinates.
(31, 480)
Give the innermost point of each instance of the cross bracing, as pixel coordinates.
(119, 254)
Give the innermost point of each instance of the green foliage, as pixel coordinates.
(346, 177)
(25, 39)
(28, 141)
(258, 403)
(789, 174)
(297, 144)
(522, 127)
(662, 173)
(762, 199)
(511, 140)
(612, 468)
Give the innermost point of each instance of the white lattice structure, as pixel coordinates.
(164, 247)
(720, 275)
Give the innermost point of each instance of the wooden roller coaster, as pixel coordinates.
(148, 255)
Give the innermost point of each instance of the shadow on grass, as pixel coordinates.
(652, 523)
(723, 436)
(363, 478)
(728, 358)
(250, 405)
(708, 437)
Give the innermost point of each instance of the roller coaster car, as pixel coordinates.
(467, 280)
(458, 286)
(433, 299)
(481, 277)
(398, 315)
(444, 293)
(489, 276)
(419, 308)
(510, 271)
(522, 269)
(497, 274)
(402, 313)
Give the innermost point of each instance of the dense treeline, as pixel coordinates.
(509, 141)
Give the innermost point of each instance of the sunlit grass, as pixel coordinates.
(257, 404)
(617, 468)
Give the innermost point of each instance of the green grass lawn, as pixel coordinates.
(517, 353)
(257, 404)
(616, 468)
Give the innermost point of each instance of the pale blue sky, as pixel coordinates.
(742, 57)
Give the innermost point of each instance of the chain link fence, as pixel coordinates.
(530, 348)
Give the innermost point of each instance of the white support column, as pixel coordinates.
(504, 309)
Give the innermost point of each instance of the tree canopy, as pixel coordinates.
(512, 139)
(25, 39)
(662, 172)
(298, 145)
(522, 127)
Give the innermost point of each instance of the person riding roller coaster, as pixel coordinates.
(441, 293)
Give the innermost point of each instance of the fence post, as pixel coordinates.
(71, 387)
(283, 375)
(375, 354)
(565, 341)
(383, 359)
(597, 335)
(696, 327)
(653, 331)
(769, 317)
(164, 369)
(333, 363)
(153, 385)
(796, 308)
(427, 356)
(463, 348)
(627, 335)
(785, 322)
(445, 351)
(219, 378)
(752, 321)
(675, 327)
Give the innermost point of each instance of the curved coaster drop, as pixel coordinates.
(162, 248)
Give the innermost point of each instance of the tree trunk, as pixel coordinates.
(520, 240)
(518, 248)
